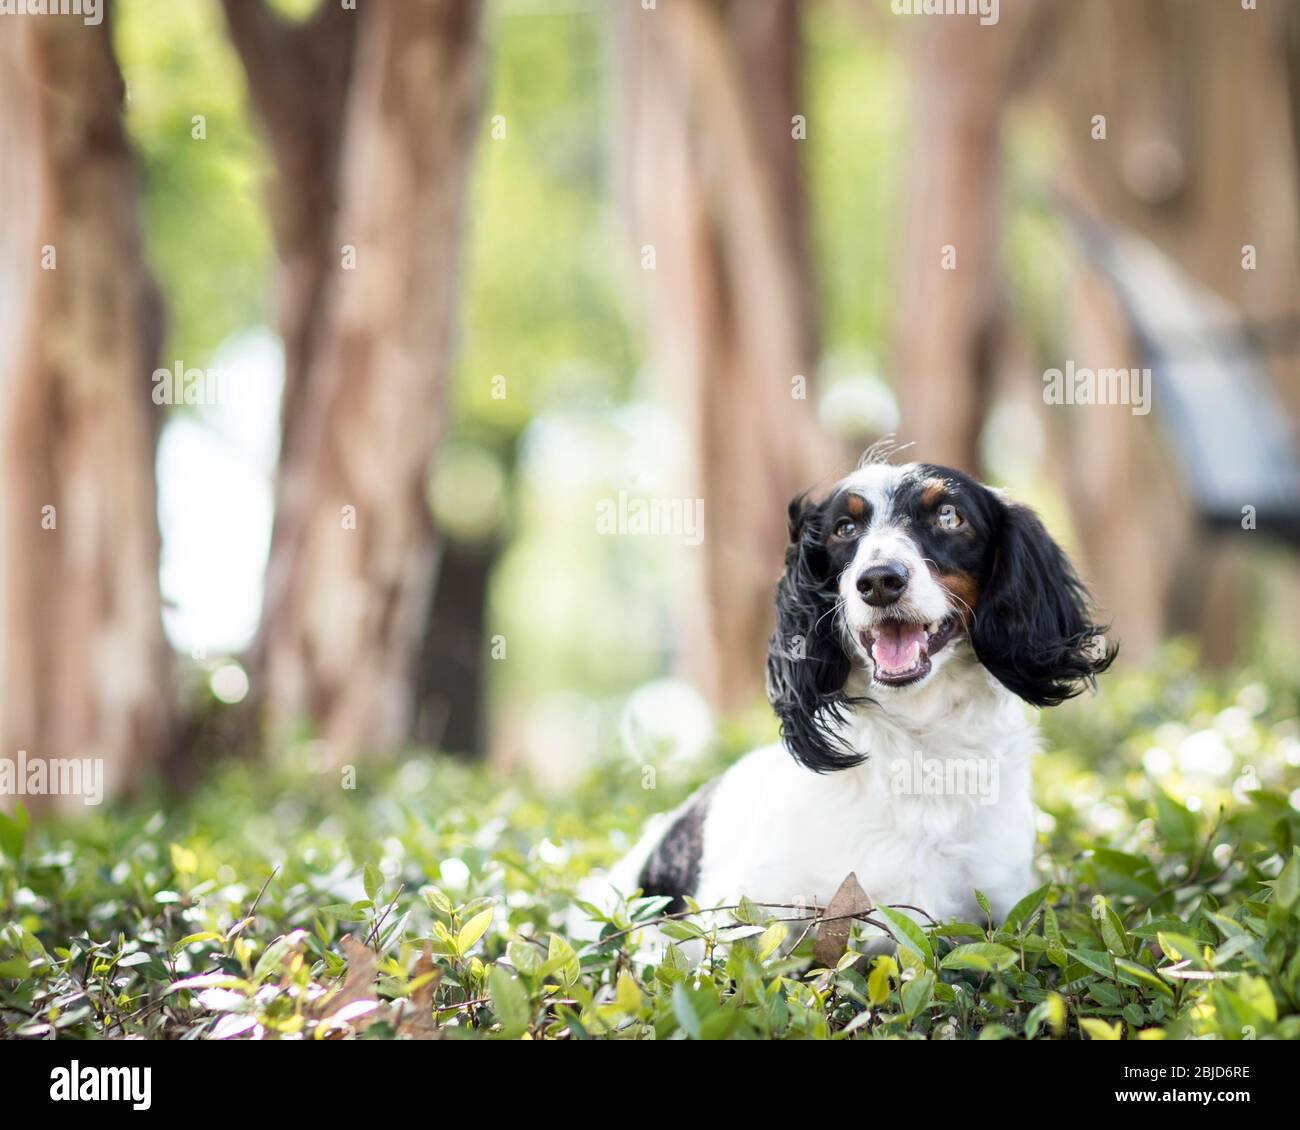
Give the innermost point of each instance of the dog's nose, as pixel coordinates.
(882, 585)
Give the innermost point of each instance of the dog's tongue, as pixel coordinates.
(897, 645)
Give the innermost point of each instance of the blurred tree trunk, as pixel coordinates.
(1108, 451)
(1197, 158)
(452, 676)
(298, 76)
(715, 202)
(1291, 61)
(353, 554)
(86, 668)
(949, 303)
(449, 681)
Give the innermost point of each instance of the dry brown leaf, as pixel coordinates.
(833, 937)
(416, 1020)
(359, 982)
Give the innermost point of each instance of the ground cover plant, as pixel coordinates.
(429, 902)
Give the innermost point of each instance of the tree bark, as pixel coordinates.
(86, 669)
(450, 676)
(353, 555)
(949, 296)
(298, 77)
(712, 185)
(1198, 159)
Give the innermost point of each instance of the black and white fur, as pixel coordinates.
(894, 552)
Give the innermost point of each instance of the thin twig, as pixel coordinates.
(907, 906)
(253, 908)
(373, 936)
(812, 919)
(806, 931)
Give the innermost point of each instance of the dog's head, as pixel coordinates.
(899, 572)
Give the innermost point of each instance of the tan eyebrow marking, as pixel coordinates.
(857, 505)
(932, 491)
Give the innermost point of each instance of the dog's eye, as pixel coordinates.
(845, 528)
(948, 517)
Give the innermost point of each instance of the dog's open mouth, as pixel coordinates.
(901, 649)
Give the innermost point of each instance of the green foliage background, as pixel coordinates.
(1170, 904)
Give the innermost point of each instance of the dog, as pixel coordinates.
(918, 612)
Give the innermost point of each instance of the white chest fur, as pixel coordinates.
(941, 806)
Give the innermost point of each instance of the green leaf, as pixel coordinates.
(474, 929)
(524, 957)
(18, 967)
(1021, 913)
(1286, 888)
(964, 930)
(275, 953)
(212, 981)
(1228, 927)
(140, 957)
(1124, 873)
(1176, 823)
(681, 931)
(13, 832)
(1113, 934)
(627, 994)
(1131, 973)
(509, 1002)
(982, 957)
(878, 981)
(562, 962)
(750, 913)
(1099, 1029)
(345, 912)
(684, 1011)
(916, 994)
(592, 911)
(191, 939)
(1178, 948)
(1152, 929)
(435, 900)
(907, 933)
(770, 941)
(1256, 994)
(1105, 994)
(1101, 963)
(373, 880)
(1049, 1011)
(184, 861)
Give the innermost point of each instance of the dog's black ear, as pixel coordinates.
(806, 664)
(1033, 628)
